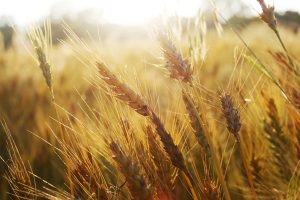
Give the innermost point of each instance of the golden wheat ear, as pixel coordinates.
(41, 41)
(122, 91)
(196, 123)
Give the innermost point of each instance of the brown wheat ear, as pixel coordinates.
(87, 181)
(196, 123)
(44, 66)
(122, 91)
(163, 165)
(178, 67)
(135, 181)
(279, 142)
(41, 41)
(268, 15)
(231, 114)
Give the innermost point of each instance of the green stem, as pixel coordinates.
(286, 52)
(269, 72)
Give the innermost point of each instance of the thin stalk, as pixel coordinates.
(64, 147)
(219, 170)
(268, 71)
(249, 177)
(260, 62)
(215, 159)
(286, 52)
(188, 179)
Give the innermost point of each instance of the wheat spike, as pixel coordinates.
(178, 67)
(163, 169)
(231, 114)
(135, 180)
(279, 143)
(196, 123)
(41, 40)
(122, 91)
(267, 14)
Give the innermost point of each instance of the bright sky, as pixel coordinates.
(118, 11)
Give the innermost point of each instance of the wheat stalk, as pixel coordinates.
(41, 40)
(268, 16)
(17, 175)
(232, 117)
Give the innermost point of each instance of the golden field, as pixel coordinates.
(185, 112)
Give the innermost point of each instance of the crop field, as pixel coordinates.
(192, 109)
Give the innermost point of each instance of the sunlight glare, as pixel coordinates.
(115, 11)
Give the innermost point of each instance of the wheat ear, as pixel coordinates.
(135, 180)
(196, 123)
(179, 68)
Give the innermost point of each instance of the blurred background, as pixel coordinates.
(120, 32)
(127, 18)
(127, 12)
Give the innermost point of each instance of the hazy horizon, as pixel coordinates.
(132, 12)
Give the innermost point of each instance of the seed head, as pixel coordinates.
(44, 65)
(178, 67)
(41, 41)
(122, 91)
(231, 114)
(129, 168)
(268, 15)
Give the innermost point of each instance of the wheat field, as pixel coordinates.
(194, 111)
